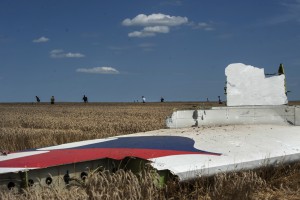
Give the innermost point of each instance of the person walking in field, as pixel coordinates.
(85, 99)
(144, 99)
(52, 100)
(37, 99)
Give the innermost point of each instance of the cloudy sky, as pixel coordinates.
(118, 51)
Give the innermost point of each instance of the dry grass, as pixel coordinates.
(25, 126)
(265, 183)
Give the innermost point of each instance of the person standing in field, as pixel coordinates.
(85, 99)
(162, 99)
(52, 100)
(220, 101)
(144, 99)
(37, 99)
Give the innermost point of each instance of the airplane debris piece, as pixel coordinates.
(247, 85)
(186, 153)
(242, 115)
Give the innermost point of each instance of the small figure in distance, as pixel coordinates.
(162, 99)
(280, 69)
(207, 100)
(52, 100)
(144, 99)
(220, 102)
(37, 99)
(85, 99)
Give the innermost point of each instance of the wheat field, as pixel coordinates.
(31, 125)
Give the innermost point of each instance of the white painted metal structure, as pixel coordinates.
(241, 147)
(282, 114)
(248, 85)
(247, 137)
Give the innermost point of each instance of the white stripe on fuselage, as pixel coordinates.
(20, 155)
(76, 144)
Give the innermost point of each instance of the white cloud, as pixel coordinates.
(153, 24)
(99, 70)
(150, 31)
(141, 34)
(155, 20)
(203, 26)
(56, 51)
(41, 40)
(157, 29)
(74, 55)
(59, 53)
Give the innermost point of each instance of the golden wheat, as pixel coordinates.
(36, 125)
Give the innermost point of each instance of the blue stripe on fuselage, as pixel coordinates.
(176, 143)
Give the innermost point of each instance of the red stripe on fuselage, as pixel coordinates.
(67, 156)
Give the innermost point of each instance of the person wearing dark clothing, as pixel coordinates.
(37, 99)
(162, 99)
(280, 69)
(85, 99)
(220, 101)
(52, 100)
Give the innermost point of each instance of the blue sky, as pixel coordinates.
(118, 51)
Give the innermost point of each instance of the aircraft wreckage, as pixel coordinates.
(254, 129)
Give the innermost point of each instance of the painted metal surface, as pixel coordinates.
(187, 152)
(235, 115)
(247, 85)
(241, 147)
(145, 147)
